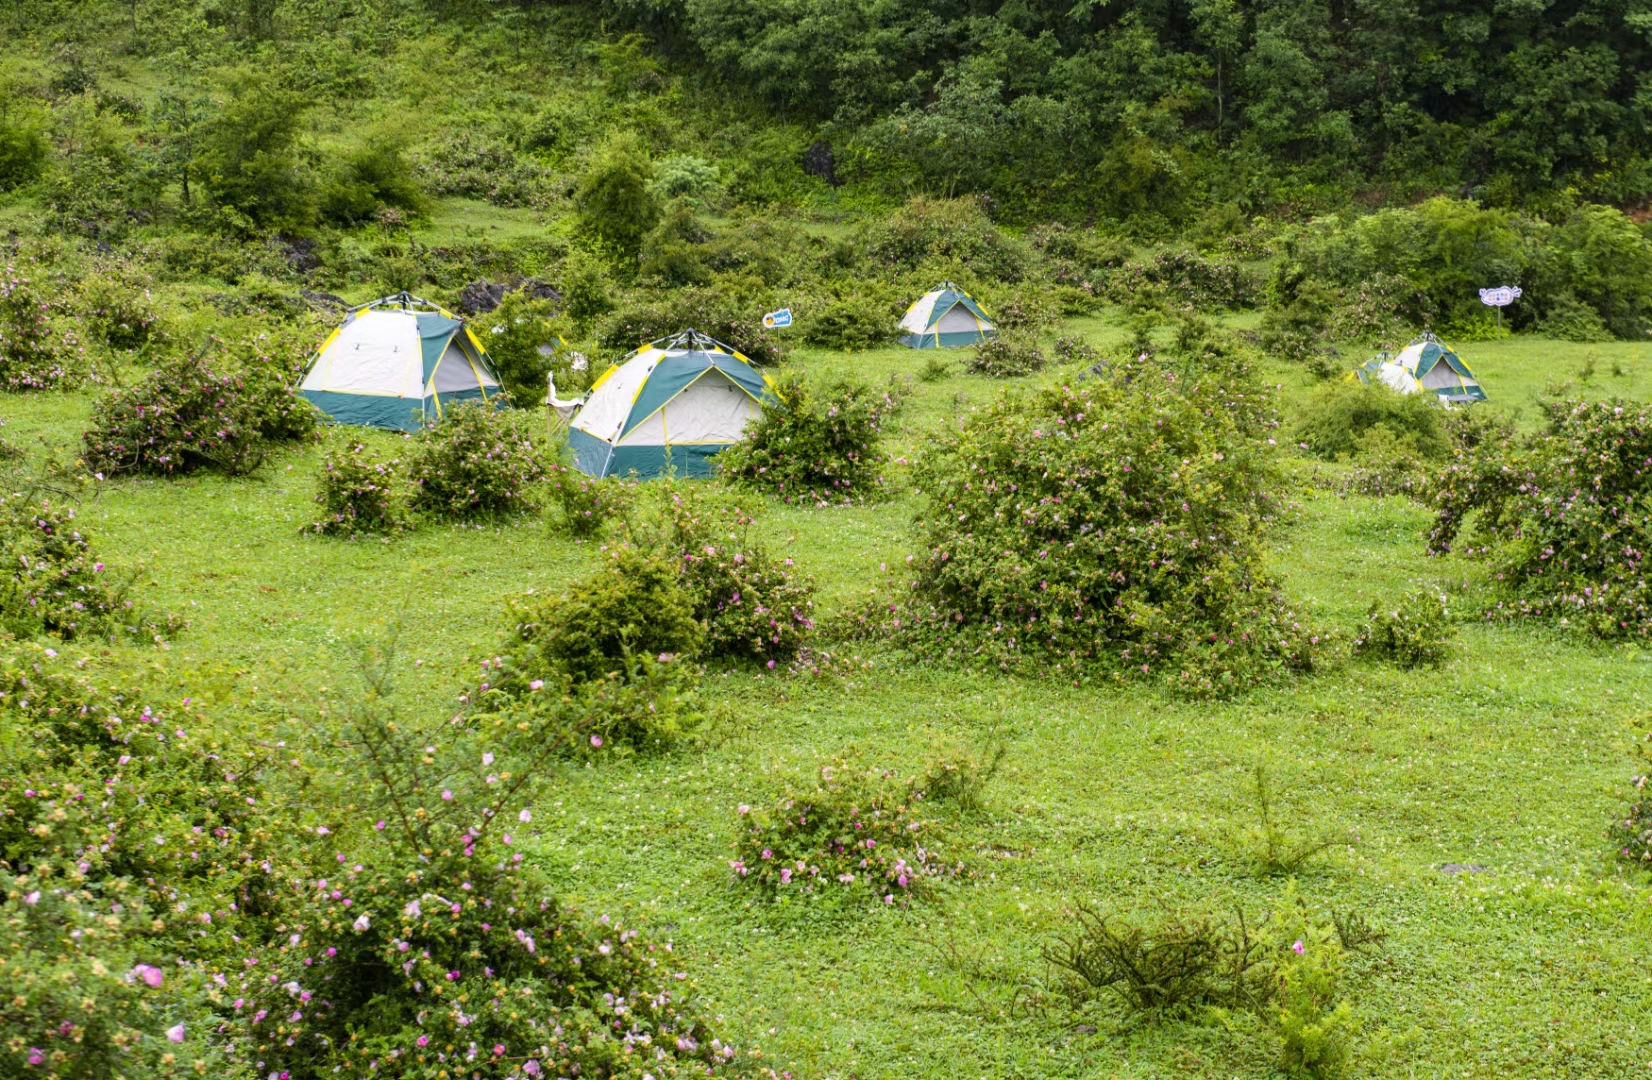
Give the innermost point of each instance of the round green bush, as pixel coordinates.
(478, 462)
(821, 445)
(358, 493)
(1113, 525)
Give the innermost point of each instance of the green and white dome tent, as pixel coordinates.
(679, 400)
(946, 317)
(1425, 366)
(398, 363)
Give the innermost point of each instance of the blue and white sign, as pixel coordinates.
(774, 320)
(1500, 297)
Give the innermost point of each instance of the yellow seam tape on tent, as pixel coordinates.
(321, 354)
(604, 377)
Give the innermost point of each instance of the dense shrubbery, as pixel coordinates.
(856, 832)
(1188, 279)
(358, 494)
(1631, 832)
(821, 444)
(1558, 515)
(721, 313)
(221, 408)
(1005, 357)
(952, 233)
(633, 606)
(479, 462)
(587, 503)
(1113, 524)
(852, 322)
(1413, 633)
(1355, 420)
(35, 353)
(524, 339)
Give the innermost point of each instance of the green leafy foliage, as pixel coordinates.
(855, 833)
(616, 206)
(633, 606)
(1414, 633)
(1113, 524)
(726, 311)
(479, 462)
(587, 502)
(1005, 357)
(359, 494)
(524, 339)
(1347, 419)
(55, 583)
(1557, 516)
(1631, 830)
(852, 322)
(35, 353)
(821, 444)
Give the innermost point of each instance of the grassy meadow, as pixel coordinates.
(1508, 760)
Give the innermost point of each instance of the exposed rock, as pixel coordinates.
(481, 297)
(818, 160)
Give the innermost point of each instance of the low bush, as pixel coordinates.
(359, 494)
(1275, 850)
(222, 408)
(35, 352)
(1414, 633)
(753, 606)
(1384, 310)
(1024, 308)
(472, 165)
(1631, 831)
(1188, 279)
(852, 322)
(413, 937)
(55, 583)
(855, 833)
(820, 445)
(1005, 357)
(1352, 420)
(587, 503)
(1169, 967)
(113, 302)
(1075, 351)
(479, 462)
(1557, 516)
(633, 606)
(1115, 525)
(1287, 968)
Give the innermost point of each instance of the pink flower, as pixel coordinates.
(151, 976)
(525, 816)
(498, 1048)
(744, 809)
(422, 1040)
(175, 1034)
(1299, 948)
(379, 825)
(447, 796)
(786, 876)
(535, 685)
(596, 740)
(531, 1067)
(32, 898)
(35, 1056)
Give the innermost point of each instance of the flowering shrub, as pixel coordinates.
(1557, 515)
(479, 462)
(358, 494)
(182, 417)
(114, 304)
(1631, 833)
(753, 606)
(856, 833)
(127, 837)
(820, 444)
(1385, 309)
(633, 606)
(222, 409)
(35, 354)
(416, 940)
(55, 583)
(1413, 633)
(587, 503)
(1005, 357)
(1114, 524)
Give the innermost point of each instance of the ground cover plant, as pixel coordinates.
(823, 445)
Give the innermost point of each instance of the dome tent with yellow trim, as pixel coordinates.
(1425, 366)
(398, 363)
(946, 317)
(676, 402)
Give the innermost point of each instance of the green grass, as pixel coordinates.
(1510, 757)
